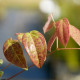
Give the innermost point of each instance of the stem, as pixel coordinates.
(19, 73)
(62, 49)
(57, 43)
(68, 48)
(15, 74)
(52, 17)
(6, 66)
(52, 52)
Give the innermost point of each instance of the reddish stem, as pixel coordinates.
(52, 52)
(63, 49)
(68, 49)
(6, 66)
(16, 74)
(57, 43)
(19, 73)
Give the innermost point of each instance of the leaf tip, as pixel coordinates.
(19, 36)
(49, 49)
(26, 69)
(44, 30)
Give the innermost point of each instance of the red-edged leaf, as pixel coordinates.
(51, 41)
(48, 24)
(35, 45)
(19, 36)
(75, 34)
(13, 53)
(62, 28)
(43, 41)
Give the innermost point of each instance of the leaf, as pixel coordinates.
(35, 45)
(75, 34)
(19, 36)
(62, 28)
(1, 61)
(51, 41)
(43, 41)
(48, 24)
(14, 53)
(1, 73)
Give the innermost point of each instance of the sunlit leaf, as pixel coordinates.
(51, 41)
(35, 45)
(1, 73)
(75, 34)
(19, 36)
(13, 53)
(43, 41)
(1, 61)
(48, 25)
(62, 28)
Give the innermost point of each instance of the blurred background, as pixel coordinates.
(26, 15)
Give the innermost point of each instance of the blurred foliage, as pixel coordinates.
(1, 73)
(70, 10)
(1, 61)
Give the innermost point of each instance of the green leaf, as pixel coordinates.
(14, 53)
(1, 73)
(35, 45)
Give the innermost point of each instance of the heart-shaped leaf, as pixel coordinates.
(14, 53)
(19, 36)
(1, 73)
(43, 41)
(48, 25)
(75, 34)
(62, 28)
(51, 41)
(35, 45)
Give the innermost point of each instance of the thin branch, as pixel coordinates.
(52, 52)
(68, 49)
(19, 72)
(16, 74)
(63, 49)
(57, 43)
(31, 66)
(6, 66)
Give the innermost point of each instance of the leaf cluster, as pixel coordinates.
(35, 43)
